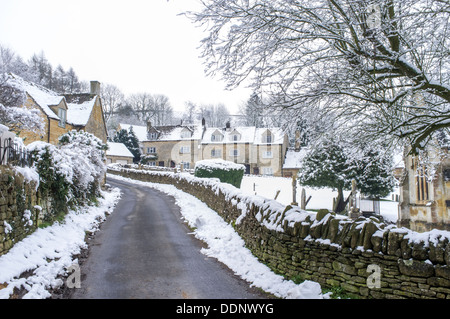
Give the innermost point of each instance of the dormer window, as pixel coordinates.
(235, 137)
(216, 137)
(186, 134)
(62, 114)
(152, 136)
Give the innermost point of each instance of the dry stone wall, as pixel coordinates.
(19, 209)
(364, 257)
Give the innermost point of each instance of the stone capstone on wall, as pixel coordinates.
(365, 257)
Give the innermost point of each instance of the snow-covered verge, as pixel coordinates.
(48, 252)
(229, 248)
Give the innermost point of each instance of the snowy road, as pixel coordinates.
(144, 250)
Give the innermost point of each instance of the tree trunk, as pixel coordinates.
(340, 202)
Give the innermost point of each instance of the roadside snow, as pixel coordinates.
(48, 252)
(228, 247)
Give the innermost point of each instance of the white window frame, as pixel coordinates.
(267, 171)
(150, 149)
(186, 165)
(62, 114)
(153, 136)
(217, 137)
(185, 149)
(216, 153)
(267, 154)
(186, 134)
(268, 138)
(234, 153)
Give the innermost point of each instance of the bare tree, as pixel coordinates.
(112, 99)
(381, 67)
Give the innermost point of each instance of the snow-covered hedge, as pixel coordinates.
(225, 171)
(70, 174)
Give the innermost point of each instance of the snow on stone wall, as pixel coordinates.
(330, 249)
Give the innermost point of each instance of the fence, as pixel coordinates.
(13, 154)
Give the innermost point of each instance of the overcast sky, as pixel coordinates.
(137, 45)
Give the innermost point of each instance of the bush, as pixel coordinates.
(70, 174)
(226, 172)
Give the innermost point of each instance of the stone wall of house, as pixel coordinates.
(19, 209)
(365, 257)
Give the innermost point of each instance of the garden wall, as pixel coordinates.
(19, 210)
(364, 257)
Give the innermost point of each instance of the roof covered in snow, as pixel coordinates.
(79, 106)
(293, 159)
(79, 114)
(41, 95)
(239, 134)
(118, 149)
(167, 132)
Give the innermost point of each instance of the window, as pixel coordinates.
(267, 154)
(185, 149)
(216, 153)
(186, 134)
(151, 163)
(185, 165)
(267, 171)
(268, 138)
(151, 150)
(235, 137)
(216, 137)
(447, 175)
(422, 186)
(62, 117)
(234, 153)
(152, 136)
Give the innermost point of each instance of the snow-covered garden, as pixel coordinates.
(268, 186)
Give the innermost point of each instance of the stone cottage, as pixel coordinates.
(60, 113)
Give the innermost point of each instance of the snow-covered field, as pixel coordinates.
(320, 198)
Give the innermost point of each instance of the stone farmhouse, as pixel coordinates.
(261, 150)
(61, 113)
(425, 196)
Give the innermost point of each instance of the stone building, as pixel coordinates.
(61, 113)
(168, 146)
(261, 150)
(425, 192)
(118, 153)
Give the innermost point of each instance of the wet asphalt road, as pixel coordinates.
(144, 250)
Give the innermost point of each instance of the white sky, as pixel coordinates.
(137, 45)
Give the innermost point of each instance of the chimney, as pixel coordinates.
(95, 88)
(297, 141)
(149, 126)
(228, 126)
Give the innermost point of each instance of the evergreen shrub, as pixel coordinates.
(225, 171)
